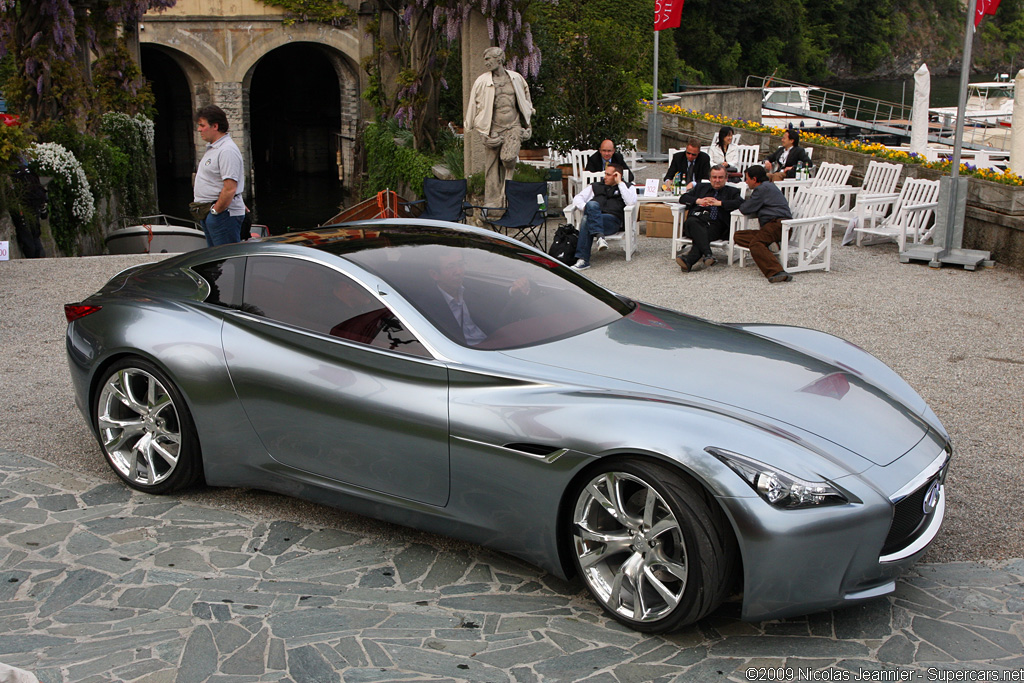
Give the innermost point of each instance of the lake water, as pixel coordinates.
(944, 89)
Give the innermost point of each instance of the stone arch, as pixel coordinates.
(301, 104)
(180, 85)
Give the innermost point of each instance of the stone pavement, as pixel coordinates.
(100, 583)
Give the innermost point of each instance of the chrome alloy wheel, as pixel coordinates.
(139, 427)
(630, 547)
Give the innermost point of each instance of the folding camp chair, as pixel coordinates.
(524, 216)
(444, 200)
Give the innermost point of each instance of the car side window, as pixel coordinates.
(317, 298)
(225, 280)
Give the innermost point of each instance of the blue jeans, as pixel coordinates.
(595, 224)
(222, 228)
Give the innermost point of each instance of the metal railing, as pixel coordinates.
(877, 116)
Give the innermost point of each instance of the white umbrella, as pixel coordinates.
(919, 115)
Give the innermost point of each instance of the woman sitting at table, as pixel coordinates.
(724, 152)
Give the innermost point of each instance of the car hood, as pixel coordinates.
(699, 360)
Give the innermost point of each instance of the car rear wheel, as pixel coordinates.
(145, 429)
(651, 545)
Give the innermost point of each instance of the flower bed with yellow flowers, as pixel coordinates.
(1007, 177)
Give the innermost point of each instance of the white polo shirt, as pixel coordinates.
(222, 161)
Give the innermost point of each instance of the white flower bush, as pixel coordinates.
(118, 125)
(52, 159)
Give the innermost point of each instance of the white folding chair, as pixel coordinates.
(910, 216)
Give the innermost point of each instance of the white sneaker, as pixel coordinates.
(602, 244)
(580, 265)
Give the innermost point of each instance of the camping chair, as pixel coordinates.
(445, 200)
(523, 218)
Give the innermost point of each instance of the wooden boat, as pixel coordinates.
(157, 234)
(385, 204)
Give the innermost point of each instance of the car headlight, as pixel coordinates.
(780, 488)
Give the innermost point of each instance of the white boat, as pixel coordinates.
(796, 97)
(158, 234)
(987, 102)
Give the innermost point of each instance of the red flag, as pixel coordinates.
(669, 13)
(983, 7)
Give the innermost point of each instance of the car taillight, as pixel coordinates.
(75, 311)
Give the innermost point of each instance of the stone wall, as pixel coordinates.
(994, 219)
(743, 104)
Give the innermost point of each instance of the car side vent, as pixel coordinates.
(533, 449)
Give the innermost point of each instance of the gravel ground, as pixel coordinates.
(954, 335)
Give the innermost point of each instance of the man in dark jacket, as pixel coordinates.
(771, 207)
(709, 206)
(606, 154)
(782, 162)
(694, 164)
(604, 212)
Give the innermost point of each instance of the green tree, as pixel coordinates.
(597, 56)
(51, 43)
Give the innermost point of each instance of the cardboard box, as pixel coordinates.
(655, 212)
(659, 229)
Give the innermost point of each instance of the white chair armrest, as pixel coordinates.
(877, 199)
(919, 207)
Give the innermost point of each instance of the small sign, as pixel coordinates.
(651, 187)
(5, 252)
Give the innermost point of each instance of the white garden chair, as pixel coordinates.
(579, 163)
(806, 241)
(629, 235)
(747, 155)
(679, 240)
(910, 216)
(880, 181)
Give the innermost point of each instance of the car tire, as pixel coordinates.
(145, 429)
(652, 546)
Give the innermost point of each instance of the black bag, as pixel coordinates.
(563, 245)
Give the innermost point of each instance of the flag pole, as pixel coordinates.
(653, 123)
(952, 218)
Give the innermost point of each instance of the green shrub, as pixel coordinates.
(391, 165)
(133, 136)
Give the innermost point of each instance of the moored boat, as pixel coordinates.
(157, 234)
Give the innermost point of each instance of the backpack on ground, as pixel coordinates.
(563, 244)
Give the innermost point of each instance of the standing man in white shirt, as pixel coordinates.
(604, 212)
(220, 178)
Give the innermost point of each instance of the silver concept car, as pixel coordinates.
(450, 379)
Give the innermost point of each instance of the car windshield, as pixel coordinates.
(484, 292)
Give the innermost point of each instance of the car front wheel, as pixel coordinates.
(145, 429)
(651, 545)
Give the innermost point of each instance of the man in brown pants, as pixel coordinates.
(771, 207)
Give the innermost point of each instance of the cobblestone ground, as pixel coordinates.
(99, 583)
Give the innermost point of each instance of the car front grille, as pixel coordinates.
(909, 518)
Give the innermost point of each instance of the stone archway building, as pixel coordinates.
(217, 44)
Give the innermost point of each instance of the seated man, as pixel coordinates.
(771, 208)
(604, 212)
(782, 162)
(459, 311)
(694, 164)
(606, 154)
(709, 207)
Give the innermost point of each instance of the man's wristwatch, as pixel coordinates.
(213, 211)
